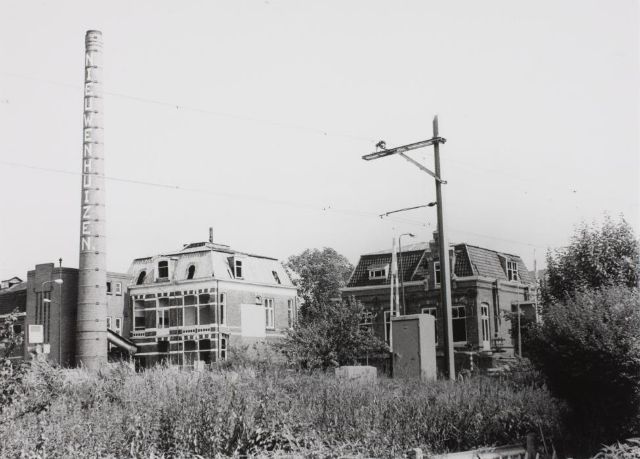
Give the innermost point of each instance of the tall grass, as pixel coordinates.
(172, 413)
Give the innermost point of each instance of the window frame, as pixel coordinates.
(512, 270)
(237, 268)
(160, 269)
(378, 272)
(269, 309)
(109, 290)
(118, 288)
(463, 319)
(437, 273)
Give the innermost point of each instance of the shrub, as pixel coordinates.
(589, 350)
(331, 338)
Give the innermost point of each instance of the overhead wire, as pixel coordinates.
(300, 205)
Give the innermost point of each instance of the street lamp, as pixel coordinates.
(404, 304)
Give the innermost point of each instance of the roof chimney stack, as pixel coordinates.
(211, 234)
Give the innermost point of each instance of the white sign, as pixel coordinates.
(252, 320)
(36, 334)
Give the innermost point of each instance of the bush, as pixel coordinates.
(331, 338)
(589, 350)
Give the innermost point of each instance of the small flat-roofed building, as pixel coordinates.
(190, 305)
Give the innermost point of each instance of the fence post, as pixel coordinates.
(531, 445)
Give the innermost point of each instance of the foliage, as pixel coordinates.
(595, 258)
(334, 337)
(629, 449)
(589, 350)
(11, 371)
(319, 276)
(166, 412)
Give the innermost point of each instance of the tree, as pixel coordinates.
(588, 348)
(588, 343)
(595, 258)
(331, 338)
(319, 276)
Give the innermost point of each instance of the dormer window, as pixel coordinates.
(378, 272)
(141, 277)
(191, 271)
(163, 269)
(275, 276)
(238, 268)
(512, 270)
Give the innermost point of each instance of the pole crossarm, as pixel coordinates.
(402, 149)
(422, 168)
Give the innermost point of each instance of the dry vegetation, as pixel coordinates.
(230, 412)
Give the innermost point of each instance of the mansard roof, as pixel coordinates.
(470, 260)
(212, 261)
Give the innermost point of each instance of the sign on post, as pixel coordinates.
(36, 334)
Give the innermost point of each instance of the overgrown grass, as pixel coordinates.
(173, 413)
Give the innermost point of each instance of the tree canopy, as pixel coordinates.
(331, 339)
(596, 257)
(319, 276)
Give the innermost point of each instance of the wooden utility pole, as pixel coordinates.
(445, 273)
(445, 269)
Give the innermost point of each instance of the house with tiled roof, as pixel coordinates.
(487, 287)
(188, 306)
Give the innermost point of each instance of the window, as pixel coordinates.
(141, 277)
(512, 270)
(163, 318)
(268, 308)
(108, 287)
(484, 321)
(191, 272)
(17, 329)
(118, 288)
(378, 272)
(459, 319)
(366, 320)
(223, 308)
(432, 311)
(275, 276)
(118, 327)
(163, 269)
(108, 323)
(238, 268)
(139, 323)
(436, 272)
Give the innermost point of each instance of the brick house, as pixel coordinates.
(486, 286)
(49, 300)
(190, 305)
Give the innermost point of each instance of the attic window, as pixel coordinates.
(141, 277)
(378, 272)
(163, 269)
(512, 270)
(238, 269)
(191, 271)
(275, 276)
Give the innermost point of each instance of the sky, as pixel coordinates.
(252, 117)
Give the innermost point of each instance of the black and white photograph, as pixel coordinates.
(320, 229)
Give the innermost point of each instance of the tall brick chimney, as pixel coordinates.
(91, 326)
